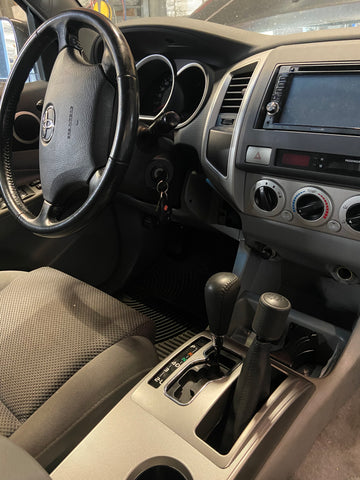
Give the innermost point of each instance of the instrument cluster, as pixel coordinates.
(165, 85)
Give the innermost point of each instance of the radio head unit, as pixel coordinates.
(313, 98)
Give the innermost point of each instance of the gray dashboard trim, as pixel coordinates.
(227, 184)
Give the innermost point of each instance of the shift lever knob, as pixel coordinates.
(270, 317)
(220, 294)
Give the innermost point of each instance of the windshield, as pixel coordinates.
(272, 17)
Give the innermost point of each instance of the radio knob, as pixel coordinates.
(266, 198)
(272, 108)
(353, 217)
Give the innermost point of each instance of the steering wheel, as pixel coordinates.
(88, 125)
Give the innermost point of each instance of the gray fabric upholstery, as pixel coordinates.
(8, 276)
(17, 464)
(63, 420)
(51, 326)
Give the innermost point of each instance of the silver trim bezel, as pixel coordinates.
(205, 92)
(279, 193)
(143, 62)
(342, 213)
(313, 191)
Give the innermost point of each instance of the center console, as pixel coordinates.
(149, 428)
(179, 422)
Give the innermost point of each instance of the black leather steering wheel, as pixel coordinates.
(88, 126)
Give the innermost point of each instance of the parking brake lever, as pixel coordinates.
(253, 385)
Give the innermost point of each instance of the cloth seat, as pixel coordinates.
(68, 353)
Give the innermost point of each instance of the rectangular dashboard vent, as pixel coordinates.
(236, 90)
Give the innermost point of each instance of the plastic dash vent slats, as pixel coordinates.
(235, 93)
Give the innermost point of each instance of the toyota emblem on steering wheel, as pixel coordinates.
(48, 124)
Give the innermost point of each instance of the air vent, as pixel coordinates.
(236, 91)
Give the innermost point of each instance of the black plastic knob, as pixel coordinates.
(310, 207)
(220, 295)
(266, 198)
(353, 217)
(270, 317)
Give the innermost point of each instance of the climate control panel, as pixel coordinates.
(329, 209)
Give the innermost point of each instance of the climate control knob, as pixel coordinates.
(312, 205)
(353, 217)
(349, 214)
(267, 197)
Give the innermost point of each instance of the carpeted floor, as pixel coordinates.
(335, 454)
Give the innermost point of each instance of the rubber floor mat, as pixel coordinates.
(163, 349)
(172, 327)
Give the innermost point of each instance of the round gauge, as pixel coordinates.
(156, 84)
(191, 88)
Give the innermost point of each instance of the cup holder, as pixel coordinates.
(161, 472)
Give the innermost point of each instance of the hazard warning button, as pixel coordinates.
(258, 155)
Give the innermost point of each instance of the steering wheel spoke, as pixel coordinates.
(62, 35)
(107, 64)
(43, 219)
(67, 35)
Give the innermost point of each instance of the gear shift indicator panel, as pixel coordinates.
(177, 361)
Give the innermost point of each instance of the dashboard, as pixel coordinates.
(289, 158)
(257, 128)
(275, 122)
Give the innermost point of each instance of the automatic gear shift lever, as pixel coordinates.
(220, 294)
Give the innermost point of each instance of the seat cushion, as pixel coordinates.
(16, 463)
(51, 325)
(68, 415)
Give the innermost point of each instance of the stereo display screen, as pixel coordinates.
(323, 100)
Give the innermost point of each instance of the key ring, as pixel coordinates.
(162, 187)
